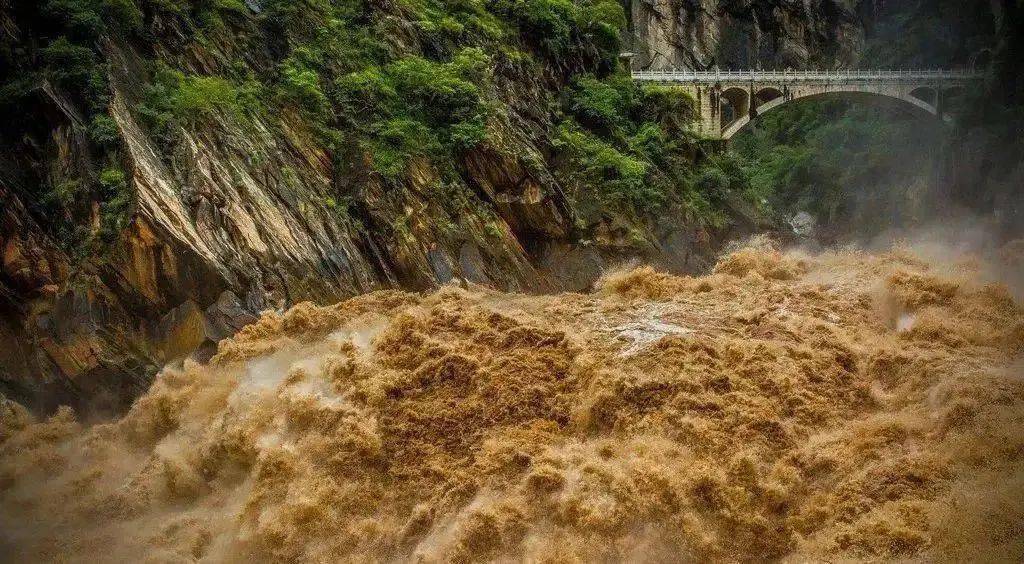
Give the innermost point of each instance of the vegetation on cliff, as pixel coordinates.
(379, 83)
(177, 166)
(56, 45)
(854, 166)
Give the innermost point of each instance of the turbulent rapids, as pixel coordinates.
(785, 407)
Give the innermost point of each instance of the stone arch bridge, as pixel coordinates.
(728, 100)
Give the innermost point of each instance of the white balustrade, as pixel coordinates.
(698, 77)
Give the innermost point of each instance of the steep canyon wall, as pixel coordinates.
(244, 213)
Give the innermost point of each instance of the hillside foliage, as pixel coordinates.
(389, 82)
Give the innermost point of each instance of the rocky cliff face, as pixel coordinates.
(239, 214)
(238, 219)
(728, 34)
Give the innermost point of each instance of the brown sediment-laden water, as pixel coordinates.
(787, 406)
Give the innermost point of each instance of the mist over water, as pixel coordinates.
(960, 244)
(862, 171)
(852, 403)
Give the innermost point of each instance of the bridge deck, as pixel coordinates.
(876, 76)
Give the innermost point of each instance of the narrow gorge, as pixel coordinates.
(427, 280)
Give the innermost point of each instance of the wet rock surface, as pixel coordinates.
(771, 34)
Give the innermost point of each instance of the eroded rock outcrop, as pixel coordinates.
(777, 34)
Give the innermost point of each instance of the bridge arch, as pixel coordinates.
(928, 94)
(923, 106)
(735, 104)
(767, 94)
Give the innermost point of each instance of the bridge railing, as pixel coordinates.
(804, 75)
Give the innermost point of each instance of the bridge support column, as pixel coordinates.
(708, 108)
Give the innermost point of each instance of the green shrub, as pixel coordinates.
(398, 139)
(369, 90)
(417, 107)
(71, 65)
(671, 108)
(202, 96)
(631, 145)
(172, 99)
(605, 105)
(157, 107)
(87, 20)
(619, 179)
(123, 14)
(65, 194)
(449, 22)
(550, 23)
(722, 177)
(82, 19)
(210, 14)
(116, 201)
(567, 30)
(651, 142)
(468, 134)
(712, 181)
(169, 7)
(113, 180)
(104, 132)
(301, 84)
(445, 93)
(603, 22)
(616, 104)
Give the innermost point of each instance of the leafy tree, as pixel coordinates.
(416, 107)
(847, 164)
